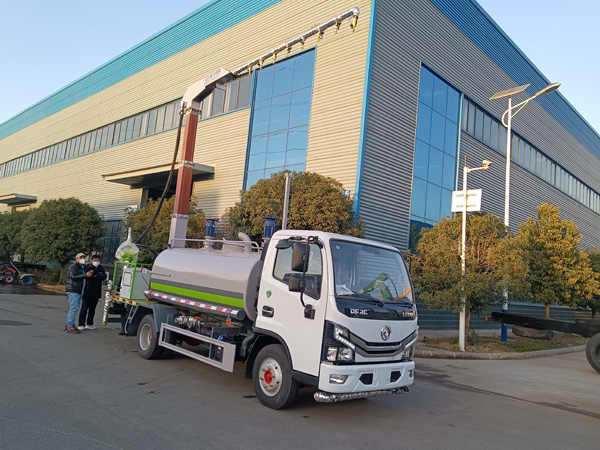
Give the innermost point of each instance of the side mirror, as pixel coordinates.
(300, 257)
(295, 283)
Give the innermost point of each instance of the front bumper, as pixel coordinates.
(366, 377)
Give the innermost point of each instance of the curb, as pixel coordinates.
(428, 352)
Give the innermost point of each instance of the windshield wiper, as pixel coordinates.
(363, 297)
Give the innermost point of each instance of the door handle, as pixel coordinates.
(267, 311)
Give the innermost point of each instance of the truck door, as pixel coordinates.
(281, 311)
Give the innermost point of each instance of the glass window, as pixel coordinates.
(449, 172)
(423, 123)
(297, 145)
(264, 84)
(152, 122)
(284, 73)
(426, 87)
(440, 94)
(109, 135)
(144, 125)
(123, 132)
(304, 69)
(451, 139)
(169, 115)
(276, 148)
(501, 139)
(137, 124)
(421, 162)
(452, 107)
(176, 109)
(465, 115)
(487, 129)
(436, 147)
(280, 112)
(160, 119)
(117, 133)
(244, 94)
(130, 124)
(260, 117)
(479, 124)
(282, 269)
(300, 107)
(103, 134)
(494, 135)
(258, 152)
(280, 117)
(98, 135)
(231, 95)
(438, 127)
(471, 121)
(218, 100)
(446, 203)
(434, 199)
(436, 162)
(419, 196)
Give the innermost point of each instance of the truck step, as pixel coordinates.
(221, 354)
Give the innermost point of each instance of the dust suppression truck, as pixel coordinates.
(303, 308)
(307, 309)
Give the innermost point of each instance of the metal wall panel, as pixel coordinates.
(196, 27)
(526, 192)
(480, 28)
(414, 32)
(333, 135)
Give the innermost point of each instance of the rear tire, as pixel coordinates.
(147, 339)
(26, 280)
(272, 376)
(592, 352)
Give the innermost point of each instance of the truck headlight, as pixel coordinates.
(332, 353)
(345, 354)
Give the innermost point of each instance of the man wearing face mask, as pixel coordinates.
(76, 279)
(91, 294)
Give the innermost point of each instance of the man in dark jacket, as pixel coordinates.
(93, 291)
(76, 277)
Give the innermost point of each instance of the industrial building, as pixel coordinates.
(390, 101)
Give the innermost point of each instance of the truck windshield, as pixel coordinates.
(370, 273)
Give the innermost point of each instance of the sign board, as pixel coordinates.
(473, 200)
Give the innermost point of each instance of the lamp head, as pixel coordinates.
(486, 164)
(550, 88)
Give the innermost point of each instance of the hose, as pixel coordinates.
(166, 189)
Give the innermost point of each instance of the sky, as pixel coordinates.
(562, 39)
(47, 45)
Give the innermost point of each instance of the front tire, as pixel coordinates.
(272, 376)
(147, 339)
(592, 352)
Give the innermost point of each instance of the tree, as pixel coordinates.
(316, 203)
(593, 303)
(10, 235)
(491, 264)
(558, 271)
(58, 229)
(158, 236)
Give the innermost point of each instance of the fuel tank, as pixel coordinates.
(217, 277)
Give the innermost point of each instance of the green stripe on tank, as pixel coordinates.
(191, 293)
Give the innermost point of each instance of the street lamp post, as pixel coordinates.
(463, 312)
(507, 122)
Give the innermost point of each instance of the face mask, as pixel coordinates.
(96, 263)
(82, 261)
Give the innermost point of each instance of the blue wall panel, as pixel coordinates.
(477, 25)
(203, 23)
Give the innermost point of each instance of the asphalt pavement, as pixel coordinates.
(92, 391)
